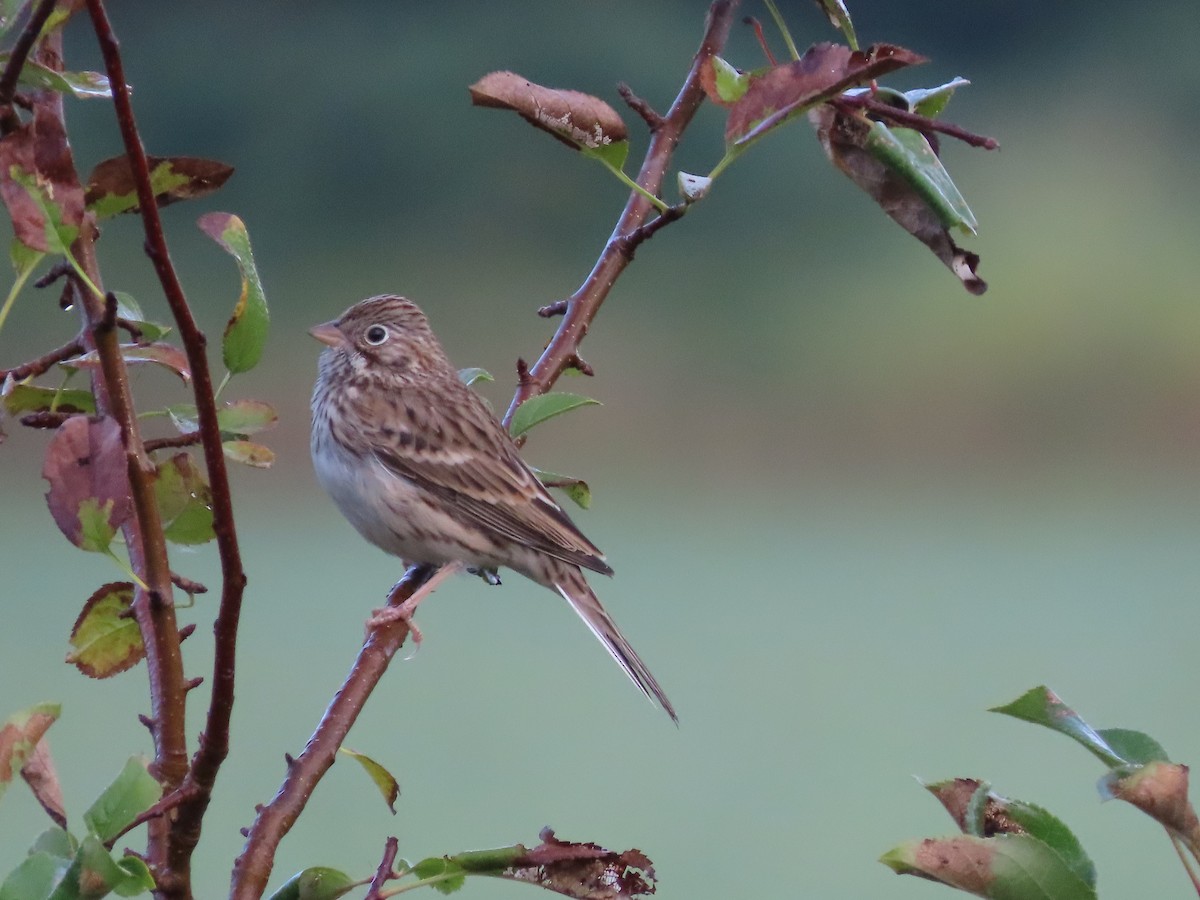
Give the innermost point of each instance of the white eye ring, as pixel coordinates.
(376, 335)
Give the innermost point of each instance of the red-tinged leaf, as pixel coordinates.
(111, 189)
(249, 453)
(823, 72)
(44, 202)
(106, 640)
(89, 481)
(851, 144)
(246, 333)
(40, 775)
(166, 355)
(723, 84)
(584, 870)
(578, 120)
(1160, 790)
(20, 735)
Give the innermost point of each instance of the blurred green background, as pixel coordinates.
(849, 505)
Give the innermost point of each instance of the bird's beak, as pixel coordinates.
(328, 333)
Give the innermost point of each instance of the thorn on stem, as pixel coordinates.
(150, 724)
(557, 308)
(523, 377)
(245, 832)
(289, 760)
(186, 631)
(653, 120)
(192, 683)
(575, 361)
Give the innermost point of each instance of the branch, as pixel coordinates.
(632, 227)
(386, 870)
(43, 363)
(9, 121)
(253, 868)
(916, 121)
(214, 740)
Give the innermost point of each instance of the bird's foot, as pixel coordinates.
(403, 612)
(488, 575)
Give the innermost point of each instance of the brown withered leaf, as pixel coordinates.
(40, 775)
(578, 120)
(19, 738)
(37, 151)
(111, 188)
(844, 137)
(86, 467)
(583, 870)
(955, 796)
(823, 72)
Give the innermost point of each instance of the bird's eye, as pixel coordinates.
(376, 335)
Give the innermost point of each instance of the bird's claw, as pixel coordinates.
(490, 576)
(387, 615)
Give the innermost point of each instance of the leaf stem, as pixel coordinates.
(631, 184)
(783, 29)
(22, 277)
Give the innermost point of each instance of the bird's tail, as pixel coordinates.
(568, 580)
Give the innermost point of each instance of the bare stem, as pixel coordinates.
(214, 740)
(253, 868)
(43, 363)
(632, 227)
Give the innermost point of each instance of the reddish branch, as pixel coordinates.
(9, 121)
(386, 870)
(43, 363)
(214, 740)
(916, 121)
(253, 868)
(632, 227)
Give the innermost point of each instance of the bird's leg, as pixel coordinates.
(426, 578)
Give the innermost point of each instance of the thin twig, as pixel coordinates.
(187, 439)
(631, 228)
(43, 363)
(9, 121)
(912, 120)
(653, 120)
(386, 870)
(253, 868)
(214, 740)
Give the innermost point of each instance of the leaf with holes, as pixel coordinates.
(89, 481)
(538, 409)
(111, 187)
(246, 333)
(106, 639)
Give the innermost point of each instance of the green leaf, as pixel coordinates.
(106, 639)
(727, 82)
(613, 154)
(184, 501)
(132, 793)
(55, 841)
(1052, 831)
(315, 883)
(24, 398)
(538, 409)
(129, 310)
(1005, 867)
(19, 735)
(81, 85)
(1133, 746)
(34, 878)
(442, 873)
(243, 417)
(249, 453)
(96, 529)
(24, 260)
(908, 154)
(94, 873)
(930, 102)
(246, 333)
(1042, 706)
(389, 788)
(575, 488)
(473, 375)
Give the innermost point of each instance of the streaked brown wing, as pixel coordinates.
(471, 465)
